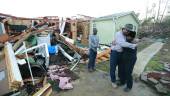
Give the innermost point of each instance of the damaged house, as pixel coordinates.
(32, 58)
(35, 55)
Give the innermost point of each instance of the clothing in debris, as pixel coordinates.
(60, 73)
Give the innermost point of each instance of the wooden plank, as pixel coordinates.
(107, 55)
(48, 93)
(14, 75)
(104, 58)
(86, 32)
(43, 90)
(74, 30)
(4, 83)
(71, 46)
(103, 53)
(24, 36)
(98, 60)
(4, 38)
(45, 80)
(17, 44)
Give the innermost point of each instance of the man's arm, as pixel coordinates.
(122, 42)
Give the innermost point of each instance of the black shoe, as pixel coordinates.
(90, 70)
(120, 83)
(93, 69)
(126, 89)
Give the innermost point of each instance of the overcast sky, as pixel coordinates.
(95, 8)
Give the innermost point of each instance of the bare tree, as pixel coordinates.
(164, 10)
(159, 5)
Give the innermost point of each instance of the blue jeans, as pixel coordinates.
(92, 59)
(115, 58)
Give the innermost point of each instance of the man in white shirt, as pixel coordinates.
(116, 50)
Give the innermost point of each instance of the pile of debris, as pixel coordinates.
(35, 56)
(159, 80)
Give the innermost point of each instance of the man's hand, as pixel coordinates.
(134, 46)
(135, 41)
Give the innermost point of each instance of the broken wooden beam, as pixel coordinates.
(18, 43)
(46, 90)
(4, 38)
(104, 58)
(107, 55)
(107, 51)
(14, 75)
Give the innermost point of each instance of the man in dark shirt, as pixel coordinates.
(129, 57)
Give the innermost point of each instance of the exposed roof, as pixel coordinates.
(118, 15)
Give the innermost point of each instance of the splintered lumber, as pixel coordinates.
(46, 90)
(105, 52)
(71, 46)
(4, 38)
(107, 55)
(65, 54)
(18, 43)
(14, 75)
(74, 30)
(98, 61)
(103, 56)
(86, 32)
(24, 36)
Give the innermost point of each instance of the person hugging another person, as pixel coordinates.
(129, 57)
(119, 42)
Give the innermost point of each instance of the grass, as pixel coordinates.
(143, 44)
(161, 56)
(104, 66)
(154, 65)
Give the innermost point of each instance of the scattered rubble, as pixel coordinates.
(158, 80)
(36, 54)
(161, 89)
(167, 67)
(166, 50)
(153, 81)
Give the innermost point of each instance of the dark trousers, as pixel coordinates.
(128, 61)
(115, 58)
(92, 59)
